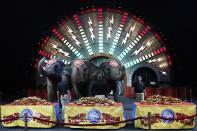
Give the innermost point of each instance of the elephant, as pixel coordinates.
(113, 73)
(84, 73)
(53, 70)
(81, 73)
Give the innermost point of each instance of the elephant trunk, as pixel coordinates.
(117, 75)
(75, 75)
(40, 66)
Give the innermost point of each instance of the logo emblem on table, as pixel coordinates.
(29, 115)
(94, 116)
(167, 113)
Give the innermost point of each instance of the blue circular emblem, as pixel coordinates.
(94, 116)
(167, 113)
(29, 115)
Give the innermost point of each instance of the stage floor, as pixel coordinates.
(127, 104)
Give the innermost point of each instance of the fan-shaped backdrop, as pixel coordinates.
(98, 34)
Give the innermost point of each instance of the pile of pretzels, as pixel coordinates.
(157, 99)
(94, 101)
(33, 100)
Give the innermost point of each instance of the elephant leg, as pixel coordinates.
(116, 95)
(77, 93)
(50, 91)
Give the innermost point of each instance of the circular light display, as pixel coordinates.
(111, 32)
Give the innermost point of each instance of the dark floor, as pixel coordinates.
(127, 104)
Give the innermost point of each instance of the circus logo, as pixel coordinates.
(29, 115)
(94, 116)
(167, 113)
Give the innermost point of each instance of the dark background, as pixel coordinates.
(25, 23)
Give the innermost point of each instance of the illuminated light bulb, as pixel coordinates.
(137, 61)
(133, 44)
(152, 53)
(159, 59)
(71, 47)
(139, 36)
(126, 51)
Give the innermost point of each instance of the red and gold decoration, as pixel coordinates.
(94, 114)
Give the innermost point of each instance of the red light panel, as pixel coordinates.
(133, 16)
(48, 55)
(40, 51)
(168, 57)
(124, 16)
(42, 45)
(123, 19)
(100, 19)
(75, 15)
(144, 32)
(100, 9)
(35, 66)
(83, 12)
(60, 37)
(148, 27)
(155, 52)
(170, 63)
(88, 11)
(161, 49)
(164, 48)
(141, 34)
(93, 9)
(125, 13)
(118, 11)
(122, 22)
(54, 30)
(43, 53)
(78, 24)
(100, 13)
(158, 51)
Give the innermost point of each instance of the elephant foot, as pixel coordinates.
(116, 98)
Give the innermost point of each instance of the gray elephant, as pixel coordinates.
(84, 73)
(53, 69)
(113, 73)
(81, 73)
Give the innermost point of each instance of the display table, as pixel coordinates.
(47, 112)
(98, 114)
(166, 111)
